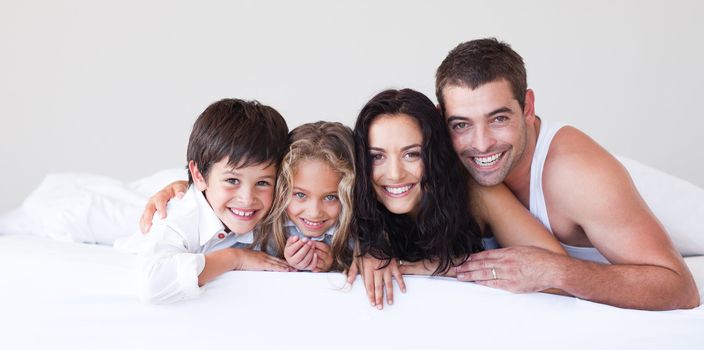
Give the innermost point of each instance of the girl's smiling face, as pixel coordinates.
(315, 205)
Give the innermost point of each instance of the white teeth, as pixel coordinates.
(397, 190)
(312, 223)
(242, 213)
(487, 161)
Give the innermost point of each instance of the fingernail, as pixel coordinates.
(372, 303)
(379, 307)
(389, 302)
(347, 287)
(403, 290)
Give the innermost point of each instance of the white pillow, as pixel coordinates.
(85, 208)
(677, 203)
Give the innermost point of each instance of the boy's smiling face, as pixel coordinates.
(240, 197)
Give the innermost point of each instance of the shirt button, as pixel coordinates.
(221, 235)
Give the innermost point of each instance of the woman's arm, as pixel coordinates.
(157, 203)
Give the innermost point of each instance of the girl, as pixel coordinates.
(309, 224)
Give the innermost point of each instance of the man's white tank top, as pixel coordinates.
(537, 199)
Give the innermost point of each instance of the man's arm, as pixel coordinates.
(588, 187)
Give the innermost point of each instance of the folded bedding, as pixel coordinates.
(62, 295)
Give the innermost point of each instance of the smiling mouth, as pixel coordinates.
(313, 224)
(398, 190)
(243, 214)
(488, 161)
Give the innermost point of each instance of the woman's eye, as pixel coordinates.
(299, 195)
(330, 197)
(412, 155)
(377, 157)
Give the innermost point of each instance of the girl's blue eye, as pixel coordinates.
(233, 181)
(330, 197)
(299, 195)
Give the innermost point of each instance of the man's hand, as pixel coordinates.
(376, 280)
(516, 269)
(157, 203)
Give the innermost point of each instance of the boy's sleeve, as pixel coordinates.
(168, 272)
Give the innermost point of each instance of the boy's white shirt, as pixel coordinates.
(172, 254)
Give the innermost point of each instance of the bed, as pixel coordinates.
(60, 292)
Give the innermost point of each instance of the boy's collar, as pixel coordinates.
(209, 225)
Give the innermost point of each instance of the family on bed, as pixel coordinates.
(478, 188)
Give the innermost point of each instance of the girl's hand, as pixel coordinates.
(252, 260)
(324, 254)
(300, 253)
(157, 203)
(377, 281)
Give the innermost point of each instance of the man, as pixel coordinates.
(620, 253)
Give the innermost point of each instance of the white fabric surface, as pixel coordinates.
(59, 295)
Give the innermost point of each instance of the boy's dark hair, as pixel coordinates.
(246, 132)
(477, 62)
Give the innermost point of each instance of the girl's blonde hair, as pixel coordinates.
(332, 143)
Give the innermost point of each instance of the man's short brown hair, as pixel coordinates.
(246, 132)
(477, 62)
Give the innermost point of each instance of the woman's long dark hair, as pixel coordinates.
(444, 229)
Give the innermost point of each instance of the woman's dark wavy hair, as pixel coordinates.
(444, 229)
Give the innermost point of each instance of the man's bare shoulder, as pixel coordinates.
(577, 166)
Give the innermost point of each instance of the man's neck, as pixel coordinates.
(518, 180)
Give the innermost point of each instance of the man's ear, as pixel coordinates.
(198, 178)
(529, 106)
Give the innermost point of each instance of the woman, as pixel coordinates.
(416, 211)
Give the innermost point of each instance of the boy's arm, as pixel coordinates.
(168, 271)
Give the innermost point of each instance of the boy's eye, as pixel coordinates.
(233, 181)
(330, 197)
(299, 195)
(263, 183)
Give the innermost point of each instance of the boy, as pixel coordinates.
(233, 153)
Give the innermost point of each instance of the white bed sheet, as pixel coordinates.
(60, 295)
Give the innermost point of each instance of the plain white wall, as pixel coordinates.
(113, 88)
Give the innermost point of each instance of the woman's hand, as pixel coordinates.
(157, 203)
(377, 281)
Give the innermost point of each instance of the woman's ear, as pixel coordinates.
(198, 178)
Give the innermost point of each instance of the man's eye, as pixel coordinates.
(460, 125)
(501, 119)
(299, 195)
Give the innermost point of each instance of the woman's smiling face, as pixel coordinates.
(395, 146)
